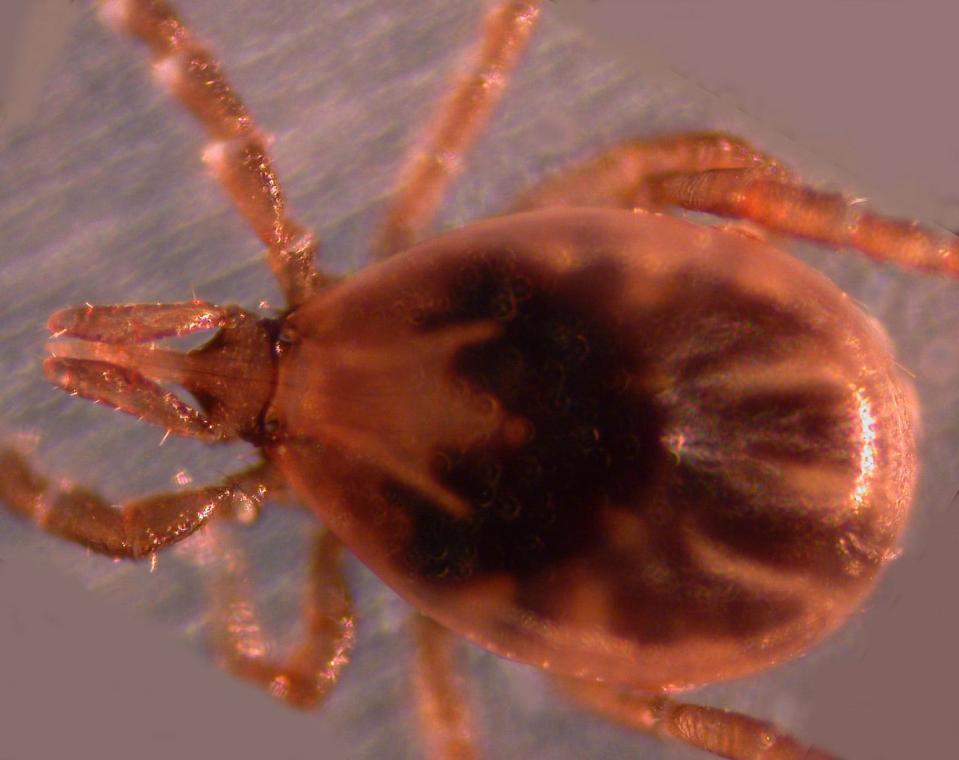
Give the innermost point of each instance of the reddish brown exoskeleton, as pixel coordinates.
(614, 445)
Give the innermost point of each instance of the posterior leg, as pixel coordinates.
(237, 152)
(620, 176)
(456, 124)
(129, 529)
(721, 732)
(723, 175)
(797, 210)
(444, 714)
(305, 677)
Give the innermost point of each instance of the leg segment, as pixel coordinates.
(444, 714)
(237, 154)
(721, 732)
(723, 175)
(130, 529)
(458, 121)
(620, 176)
(800, 211)
(141, 527)
(305, 677)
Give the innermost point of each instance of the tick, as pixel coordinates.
(635, 452)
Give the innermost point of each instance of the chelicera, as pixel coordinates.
(637, 453)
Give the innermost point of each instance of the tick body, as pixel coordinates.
(613, 445)
(607, 444)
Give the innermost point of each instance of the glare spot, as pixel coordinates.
(867, 455)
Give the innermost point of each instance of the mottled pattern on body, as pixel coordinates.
(627, 443)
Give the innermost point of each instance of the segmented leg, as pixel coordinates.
(128, 529)
(456, 124)
(305, 677)
(620, 175)
(721, 732)
(444, 714)
(141, 527)
(237, 152)
(799, 211)
(723, 175)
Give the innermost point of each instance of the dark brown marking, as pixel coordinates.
(582, 374)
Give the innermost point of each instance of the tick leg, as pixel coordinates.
(141, 527)
(305, 677)
(129, 529)
(724, 175)
(620, 176)
(784, 207)
(721, 732)
(456, 124)
(444, 714)
(237, 153)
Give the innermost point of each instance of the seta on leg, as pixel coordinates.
(457, 122)
(140, 527)
(129, 529)
(721, 732)
(305, 677)
(237, 153)
(445, 719)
